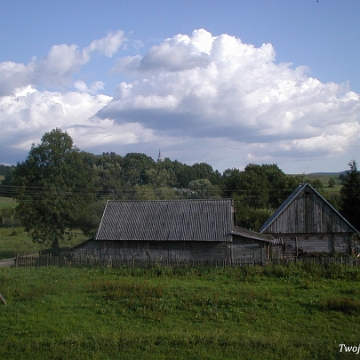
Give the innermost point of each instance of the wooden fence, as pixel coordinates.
(66, 261)
(337, 260)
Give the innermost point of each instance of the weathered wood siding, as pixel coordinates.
(276, 251)
(342, 243)
(307, 214)
(153, 250)
(315, 243)
(242, 248)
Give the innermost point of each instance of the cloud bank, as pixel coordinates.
(201, 98)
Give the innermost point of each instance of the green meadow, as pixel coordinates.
(302, 311)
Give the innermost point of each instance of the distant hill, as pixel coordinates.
(329, 173)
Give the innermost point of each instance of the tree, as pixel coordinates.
(205, 171)
(134, 168)
(331, 183)
(261, 186)
(318, 185)
(350, 195)
(55, 189)
(204, 189)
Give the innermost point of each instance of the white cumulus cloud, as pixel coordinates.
(93, 89)
(205, 86)
(201, 97)
(58, 67)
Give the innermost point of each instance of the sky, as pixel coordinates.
(227, 83)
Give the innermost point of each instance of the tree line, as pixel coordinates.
(60, 188)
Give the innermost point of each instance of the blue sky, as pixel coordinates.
(223, 82)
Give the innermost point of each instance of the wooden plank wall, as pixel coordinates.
(276, 252)
(242, 248)
(308, 213)
(316, 243)
(154, 250)
(196, 250)
(342, 243)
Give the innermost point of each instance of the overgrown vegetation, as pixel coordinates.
(302, 311)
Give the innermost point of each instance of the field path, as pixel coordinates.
(7, 262)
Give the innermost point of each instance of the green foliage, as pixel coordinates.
(350, 195)
(138, 176)
(249, 217)
(318, 185)
(257, 191)
(202, 188)
(144, 192)
(55, 189)
(5, 170)
(260, 186)
(331, 183)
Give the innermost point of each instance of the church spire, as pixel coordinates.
(159, 159)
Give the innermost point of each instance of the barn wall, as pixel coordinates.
(242, 248)
(342, 243)
(276, 251)
(295, 245)
(308, 213)
(153, 250)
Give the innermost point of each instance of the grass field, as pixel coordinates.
(296, 312)
(324, 178)
(6, 202)
(14, 240)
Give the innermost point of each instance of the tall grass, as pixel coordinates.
(298, 312)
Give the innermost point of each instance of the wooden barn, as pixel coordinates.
(176, 230)
(307, 224)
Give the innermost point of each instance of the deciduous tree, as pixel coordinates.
(55, 189)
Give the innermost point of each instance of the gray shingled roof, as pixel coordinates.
(251, 234)
(287, 202)
(191, 220)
